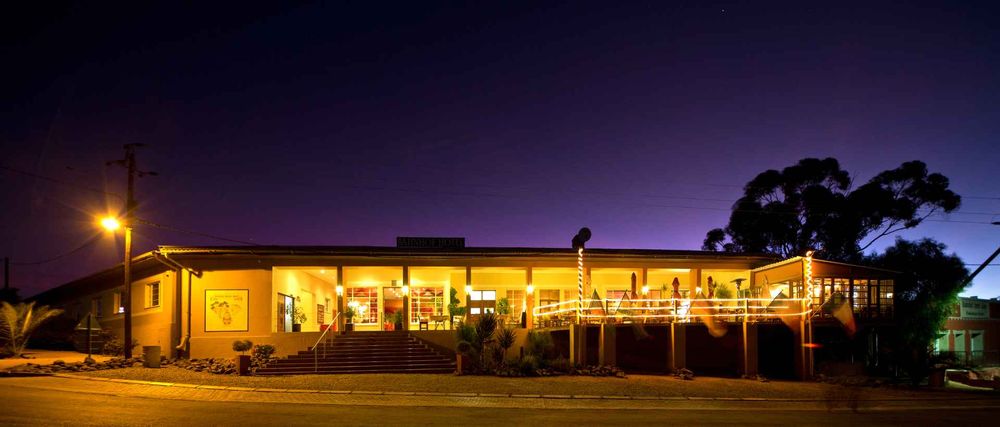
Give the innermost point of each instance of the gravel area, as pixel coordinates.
(634, 385)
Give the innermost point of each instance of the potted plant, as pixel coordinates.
(454, 309)
(349, 319)
(243, 359)
(298, 318)
(397, 319)
(503, 308)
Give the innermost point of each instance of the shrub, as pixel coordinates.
(561, 364)
(539, 344)
(261, 355)
(242, 346)
(113, 345)
(17, 322)
(506, 338)
(528, 365)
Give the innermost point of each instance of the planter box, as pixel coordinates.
(243, 364)
(296, 327)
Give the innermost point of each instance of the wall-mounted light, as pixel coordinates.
(340, 290)
(406, 290)
(468, 289)
(531, 289)
(645, 290)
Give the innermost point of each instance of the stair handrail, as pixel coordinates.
(316, 344)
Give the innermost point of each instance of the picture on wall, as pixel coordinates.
(227, 310)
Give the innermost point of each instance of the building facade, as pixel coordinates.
(972, 333)
(194, 301)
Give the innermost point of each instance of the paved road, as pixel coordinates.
(26, 404)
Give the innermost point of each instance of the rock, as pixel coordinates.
(59, 362)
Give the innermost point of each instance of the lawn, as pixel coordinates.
(634, 385)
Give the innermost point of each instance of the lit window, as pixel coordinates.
(153, 295)
(119, 308)
(95, 306)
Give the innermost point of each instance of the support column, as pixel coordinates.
(529, 300)
(608, 345)
(750, 366)
(341, 321)
(694, 282)
(578, 344)
(468, 296)
(406, 298)
(644, 280)
(678, 347)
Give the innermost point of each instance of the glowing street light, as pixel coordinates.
(110, 223)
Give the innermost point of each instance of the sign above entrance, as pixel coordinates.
(973, 309)
(430, 242)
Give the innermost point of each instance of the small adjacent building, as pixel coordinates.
(972, 333)
(195, 300)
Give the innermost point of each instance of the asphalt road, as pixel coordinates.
(34, 406)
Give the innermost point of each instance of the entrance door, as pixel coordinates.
(482, 302)
(393, 300)
(286, 306)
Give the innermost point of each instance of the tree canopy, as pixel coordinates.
(811, 205)
(925, 295)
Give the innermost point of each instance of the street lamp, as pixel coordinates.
(110, 223)
(113, 224)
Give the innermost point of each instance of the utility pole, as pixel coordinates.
(130, 204)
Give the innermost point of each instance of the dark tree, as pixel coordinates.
(811, 205)
(925, 295)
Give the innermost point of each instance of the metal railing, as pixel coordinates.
(672, 309)
(315, 347)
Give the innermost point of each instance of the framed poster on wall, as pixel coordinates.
(227, 310)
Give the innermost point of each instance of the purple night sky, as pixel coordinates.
(512, 124)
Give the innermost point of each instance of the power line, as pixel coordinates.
(196, 233)
(85, 244)
(59, 181)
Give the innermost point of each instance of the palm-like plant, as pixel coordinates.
(17, 322)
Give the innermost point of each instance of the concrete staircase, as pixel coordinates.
(365, 352)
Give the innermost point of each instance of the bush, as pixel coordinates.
(113, 345)
(261, 355)
(561, 364)
(539, 344)
(242, 346)
(528, 365)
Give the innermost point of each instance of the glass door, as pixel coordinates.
(392, 300)
(285, 308)
(482, 302)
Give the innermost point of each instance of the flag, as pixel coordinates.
(702, 309)
(839, 307)
(786, 309)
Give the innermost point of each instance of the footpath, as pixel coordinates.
(177, 391)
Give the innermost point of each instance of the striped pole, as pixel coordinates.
(579, 305)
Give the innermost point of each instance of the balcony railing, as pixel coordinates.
(671, 310)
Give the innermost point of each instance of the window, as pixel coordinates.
(95, 306)
(548, 297)
(153, 295)
(860, 295)
(365, 304)
(119, 308)
(516, 301)
(885, 297)
(425, 302)
(482, 302)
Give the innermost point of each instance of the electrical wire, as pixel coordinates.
(60, 182)
(93, 239)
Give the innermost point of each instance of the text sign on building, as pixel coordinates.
(430, 242)
(974, 309)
